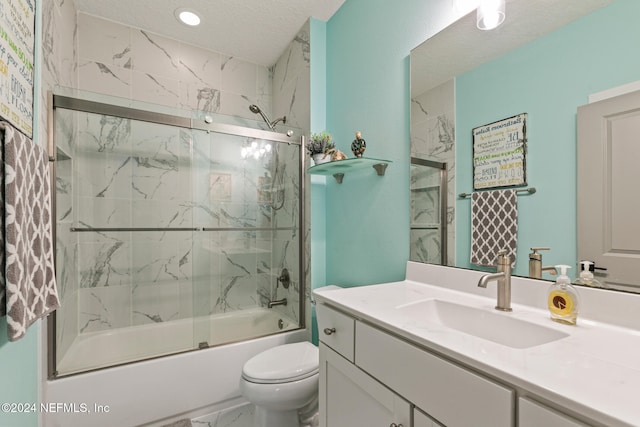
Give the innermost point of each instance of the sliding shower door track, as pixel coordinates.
(134, 229)
(94, 107)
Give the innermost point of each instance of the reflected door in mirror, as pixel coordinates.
(608, 193)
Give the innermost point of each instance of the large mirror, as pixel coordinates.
(547, 59)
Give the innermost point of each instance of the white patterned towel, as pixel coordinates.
(27, 280)
(494, 225)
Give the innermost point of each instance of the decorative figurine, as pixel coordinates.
(337, 155)
(358, 145)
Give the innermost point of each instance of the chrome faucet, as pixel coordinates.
(535, 264)
(273, 303)
(503, 277)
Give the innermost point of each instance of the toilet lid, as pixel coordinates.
(284, 363)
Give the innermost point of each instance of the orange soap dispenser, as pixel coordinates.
(563, 298)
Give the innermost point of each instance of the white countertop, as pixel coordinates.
(595, 371)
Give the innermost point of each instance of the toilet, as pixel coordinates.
(282, 383)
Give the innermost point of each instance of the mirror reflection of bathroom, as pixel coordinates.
(468, 79)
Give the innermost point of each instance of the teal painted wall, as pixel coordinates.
(19, 375)
(548, 79)
(318, 183)
(368, 45)
(19, 360)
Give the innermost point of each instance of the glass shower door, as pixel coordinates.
(247, 208)
(428, 232)
(124, 232)
(170, 238)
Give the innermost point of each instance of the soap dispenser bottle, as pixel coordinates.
(563, 298)
(586, 275)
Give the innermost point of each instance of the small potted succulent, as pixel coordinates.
(320, 147)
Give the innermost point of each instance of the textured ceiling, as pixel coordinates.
(462, 47)
(254, 30)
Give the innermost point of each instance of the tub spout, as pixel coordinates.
(273, 303)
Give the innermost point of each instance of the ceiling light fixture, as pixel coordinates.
(187, 17)
(490, 14)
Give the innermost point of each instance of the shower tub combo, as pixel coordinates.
(175, 236)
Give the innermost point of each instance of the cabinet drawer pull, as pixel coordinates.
(329, 331)
(395, 425)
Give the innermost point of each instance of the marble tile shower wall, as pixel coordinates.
(59, 54)
(433, 138)
(135, 64)
(292, 81)
(124, 279)
(291, 96)
(58, 68)
(66, 257)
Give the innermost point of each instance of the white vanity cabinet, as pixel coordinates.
(371, 380)
(370, 376)
(435, 342)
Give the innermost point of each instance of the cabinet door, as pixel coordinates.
(449, 393)
(532, 414)
(349, 397)
(422, 420)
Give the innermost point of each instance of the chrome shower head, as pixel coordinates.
(256, 110)
(282, 119)
(272, 124)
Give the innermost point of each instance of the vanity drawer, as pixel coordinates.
(336, 330)
(449, 393)
(533, 414)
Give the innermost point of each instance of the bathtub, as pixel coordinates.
(184, 384)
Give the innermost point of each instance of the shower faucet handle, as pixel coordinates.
(285, 278)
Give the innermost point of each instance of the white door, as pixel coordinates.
(609, 188)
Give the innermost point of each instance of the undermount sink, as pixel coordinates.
(481, 323)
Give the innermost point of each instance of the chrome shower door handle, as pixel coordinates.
(329, 331)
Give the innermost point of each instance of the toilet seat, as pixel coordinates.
(282, 364)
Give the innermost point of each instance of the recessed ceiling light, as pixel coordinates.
(490, 14)
(187, 17)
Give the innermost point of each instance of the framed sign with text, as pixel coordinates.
(17, 39)
(499, 153)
